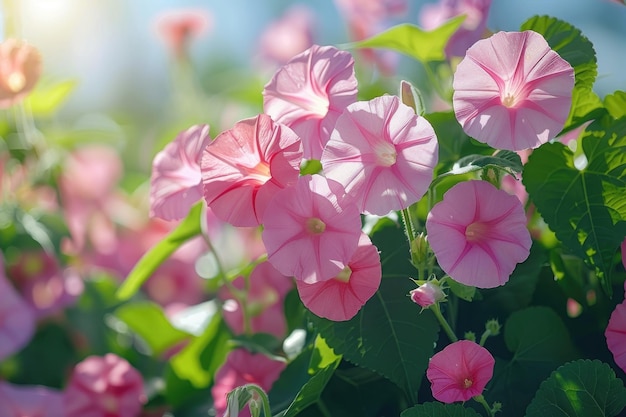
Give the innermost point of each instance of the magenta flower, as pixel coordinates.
(427, 294)
(241, 368)
(460, 371)
(341, 298)
(511, 91)
(615, 334)
(176, 182)
(20, 68)
(382, 153)
(478, 234)
(244, 167)
(311, 231)
(265, 299)
(30, 401)
(104, 386)
(476, 11)
(17, 318)
(309, 93)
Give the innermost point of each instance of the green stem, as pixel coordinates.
(444, 324)
(484, 337)
(481, 400)
(266, 402)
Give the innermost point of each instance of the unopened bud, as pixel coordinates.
(411, 97)
(427, 294)
(493, 327)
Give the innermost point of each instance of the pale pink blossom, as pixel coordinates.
(176, 182)
(511, 91)
(427, 294)
(310, 230)
(460, 371)
(241, 368)
(287, 36)
(20, 69)
(30, 401)
(265, 298)
(478, 234)
(104, 386)
(342, 297)
(371, 11)
(178, 27)
(382, 153)
(615, 334)
(244, 167)
(17, 318)
(433, 15)
(309, 93)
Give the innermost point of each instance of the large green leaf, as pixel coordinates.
(388, 335)
(582, 388)
(417, 43)
(48, 96)
(439, 410)
(540, 343)
(585, 207)
(148, 320)
(188, 228)
(616, 104)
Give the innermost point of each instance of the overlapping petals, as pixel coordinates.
(244, 167)
(176, 182)
(382, 153)
(20, 69)
(311, 231)
(511, 91)
(30, 400)
(341, 298)
(478, 234)
(309, 93)
(460, 371)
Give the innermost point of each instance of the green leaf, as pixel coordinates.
(417, 43)
(585, 208)
(507, 161)
(148, 320)
(439, 410)
(188, 228)
(47, 97)
(464, 292)
(616, 104)
(582, 388)
(388, 335)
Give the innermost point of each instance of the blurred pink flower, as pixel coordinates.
(371, 11)
(309, 93)
(104, 386)
(241, 368)
(460, 371)
(175, 284)
(382, 153)
(87, 185)
(341, 298)
(30, 401)
(176, 182)
(478, 234)
(265, 299)
(427, 294)
(476, 11)
(310, 230)
(511, 91)
(42, 282)
(615, 334)
(244, 167)
(288, 36)
(17, 318)
(178, 27)
(20, 68)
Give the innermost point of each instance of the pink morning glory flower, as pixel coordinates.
(265, 299)
(309, 93)
(241, 368)
(615, 334)
(342, 297)
(311, 231)
(30, 401)
(472, 29)
(511, 91)
(176, 181)
(287, 36)
(427, 294)
(382, 153)
(478, 234)
(17, 318)
(244, 167)
(104, 386)
(460, 371)
(19, 71)
(178, 27)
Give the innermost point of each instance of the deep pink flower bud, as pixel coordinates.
(427, 294)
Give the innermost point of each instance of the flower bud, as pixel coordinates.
(493, 327)
(427, 294)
